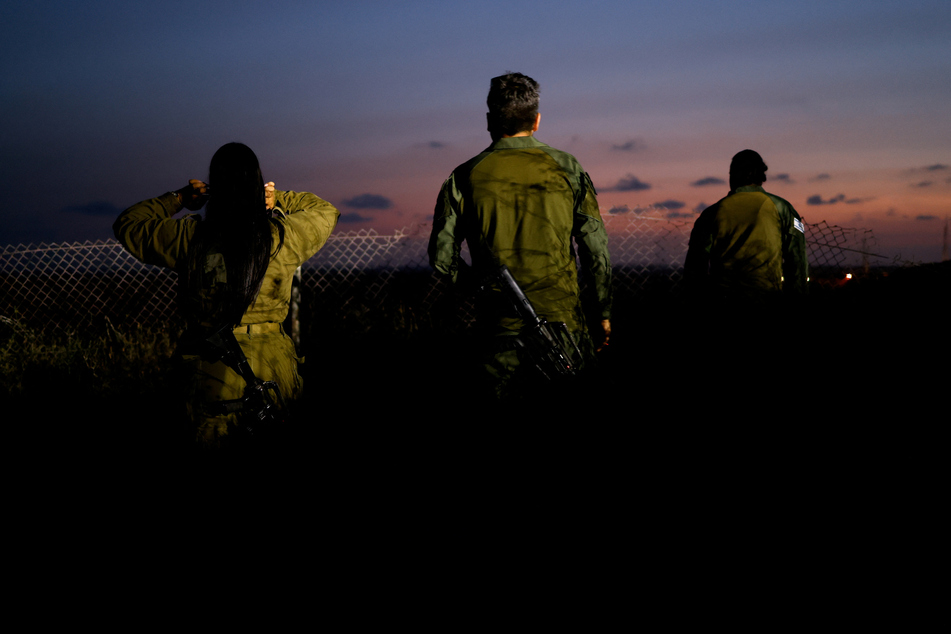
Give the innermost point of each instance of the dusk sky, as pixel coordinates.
(371, 104)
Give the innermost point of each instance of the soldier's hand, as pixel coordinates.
(606, 329)
(270, 198)
(194, 195)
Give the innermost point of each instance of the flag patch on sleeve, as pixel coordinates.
(797, 223)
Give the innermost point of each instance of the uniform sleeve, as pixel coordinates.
(445, 241)
(795, 260)
(592, 240)
(148, 232)
(310, 221)
(697, 264)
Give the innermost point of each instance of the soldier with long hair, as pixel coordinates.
(236, 268)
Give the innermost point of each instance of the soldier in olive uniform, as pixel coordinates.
(236, 268)
(521, 203)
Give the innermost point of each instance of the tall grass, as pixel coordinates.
(98, 363)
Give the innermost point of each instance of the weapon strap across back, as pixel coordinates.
(255, 403)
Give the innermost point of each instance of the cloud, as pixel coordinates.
(435, 144)
(926, 217)
(679, 214)
(936, 167)
(670, 204)
(624, 209)
(709, 180)
(852, 201)
(629, 183)
(820, 177)
(629, 146)
(369, 201)
(817, 200)
(352, 218)
(784, 178)
(922, 184)
(891, 212)
(700, 207)
(98, 208)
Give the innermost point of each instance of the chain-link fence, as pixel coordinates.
(358, 277)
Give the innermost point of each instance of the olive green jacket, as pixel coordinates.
(148, 231)
(750, 241)
(520, 203)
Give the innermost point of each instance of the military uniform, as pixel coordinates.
(152, 236)
(519, 203)
(749, 243)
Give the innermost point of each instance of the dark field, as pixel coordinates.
(393, 377)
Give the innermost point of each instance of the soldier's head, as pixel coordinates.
(513, 105)
(747, 168)
(235, 182)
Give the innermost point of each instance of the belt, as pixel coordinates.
(257, 329)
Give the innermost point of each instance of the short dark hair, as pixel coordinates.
(747, 168)
(513, 104)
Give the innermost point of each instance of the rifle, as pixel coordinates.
(257, 408)
(540, 339)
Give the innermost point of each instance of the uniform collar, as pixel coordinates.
(750, 188)
(516, 142)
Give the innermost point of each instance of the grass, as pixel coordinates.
(875, 349)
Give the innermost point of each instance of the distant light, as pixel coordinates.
(848, 276)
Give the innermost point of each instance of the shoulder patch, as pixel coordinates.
(797, 223)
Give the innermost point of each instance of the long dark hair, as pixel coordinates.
(238, 226)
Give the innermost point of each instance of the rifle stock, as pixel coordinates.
(549, 344)
(257, 407)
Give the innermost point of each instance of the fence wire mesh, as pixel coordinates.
(359, 277)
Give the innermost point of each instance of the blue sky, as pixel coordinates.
(371, 104)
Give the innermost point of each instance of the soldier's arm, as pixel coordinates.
(795, 259)
(445, 241)
(697, 263)
(592, 241)
(148, 231)
(311, 218)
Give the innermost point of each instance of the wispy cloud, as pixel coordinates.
(782, 178)
(369, 201)
(98, 208)
(926, 217)
(637, 209)
(672, 208)
(936, 167)
(922, 184)
(820, 177)
(630, 183)
(817, 200)
(700, 207)
(435, 144)
(352, 218)
(628, 146)
(709, 180)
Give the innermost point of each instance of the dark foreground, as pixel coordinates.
(679, 381)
